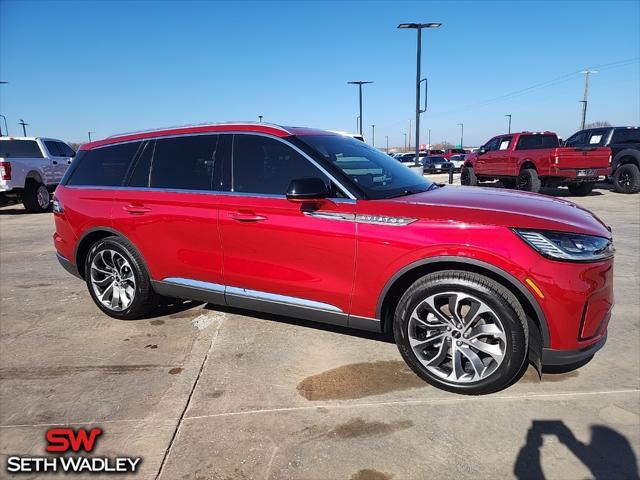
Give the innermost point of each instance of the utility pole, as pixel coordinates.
(260, 118)
(373, 136)
(387, 137)
(89, 134)
(586, 72)
(509, 115)
(359, 83)
(429, 139)
(24, 125)
(461, 125)
(409, 132)
(405, 142)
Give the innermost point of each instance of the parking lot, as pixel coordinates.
(205, 392)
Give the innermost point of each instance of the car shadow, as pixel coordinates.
(608, 455)
(170, 306)
(380, 337)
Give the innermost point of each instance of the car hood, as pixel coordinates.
(509, 208)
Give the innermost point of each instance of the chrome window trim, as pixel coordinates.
(342, 188)
(276, 298)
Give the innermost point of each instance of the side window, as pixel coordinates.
(66, 150)
(576, 139)
(598, 136)
(184, 162)
(54, 148)
(504, 143)
(140, 175)
(20, 149)
(626, 135)
(265, 165)
(535, 142)
(492, 144)
(105, 167)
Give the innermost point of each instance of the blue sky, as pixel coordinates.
(118, 66)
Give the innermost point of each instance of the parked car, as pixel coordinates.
(31, 168)
(435, 164)
(304, 223)
(449, 152)
(529, 160)
(407, 158)
(433, 152)
(624, 143)
(457, 161)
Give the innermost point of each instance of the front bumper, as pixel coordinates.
(552, 357)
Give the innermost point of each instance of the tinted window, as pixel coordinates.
(265, 165)
(104, 166)
(66, 150)
(626, 135)
(142, 169)
(20, 149)
(374, 172)
(598, 136)
(534, 142)
(504, 142)
(579, 138)
(54, 149)
(184, 162)
(492, 144)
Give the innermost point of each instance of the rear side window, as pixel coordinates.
(54, 149)
(66, 150)
(265, 165)
(535, 142)
(103, 167)
(20, 149)
(184, 163)
(142, 169)
(626, 135)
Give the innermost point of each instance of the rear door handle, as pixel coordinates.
(55, 162)
(246, 217)
(136, 209)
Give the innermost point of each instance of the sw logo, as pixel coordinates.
(69, 440)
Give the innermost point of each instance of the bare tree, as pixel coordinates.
(597, 124)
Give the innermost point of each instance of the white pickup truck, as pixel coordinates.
(30, 169)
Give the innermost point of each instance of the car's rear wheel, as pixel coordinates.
(468, 176)
(528, 180)
(626, 179)
(117, 279)
(462, 332)
(36, 197)
(581, 189)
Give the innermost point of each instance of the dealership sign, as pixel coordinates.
(66, 440)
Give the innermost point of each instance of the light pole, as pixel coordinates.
(387, 137)
(357, 123)
(373, 136)
(6, 129)
(405, 142)
(418, 27)
(429, 140)
(509, 115)
(359, 83)
(586, 72)
(461, 125)
(260, 118)
(24, 125)
(89, 133)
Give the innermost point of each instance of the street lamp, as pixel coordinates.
(260, 118)
(373, 136)
(359, 83)
(461, 125)
(419, 27)
(509, 115)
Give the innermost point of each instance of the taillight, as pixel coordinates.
(5, 171)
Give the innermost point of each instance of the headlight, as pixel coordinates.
(567, 246)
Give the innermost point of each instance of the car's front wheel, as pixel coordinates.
(462, 332)
(468, 176)
(117, 279)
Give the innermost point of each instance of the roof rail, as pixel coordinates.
(204, 124)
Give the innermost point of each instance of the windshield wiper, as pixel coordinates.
(404, 193)
(433, 186)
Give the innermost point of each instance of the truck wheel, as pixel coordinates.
(468, 177)
(581, 189)
(117, 281)
(528, 180)
(462, 332)
(626, 179)
(36, 197)
(508, 183)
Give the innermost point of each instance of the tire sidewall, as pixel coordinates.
(633, 170)
(139, 274)
(515, 332)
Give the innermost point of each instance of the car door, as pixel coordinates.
(58, 162)
(484, 163)
(169, 210)
(279, 255)
(501, 157)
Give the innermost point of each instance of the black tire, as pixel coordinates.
(528, 181)
(508, 183)
(500, 300)
(33, 197)
(468, 176)
(626, 178)
(581, 189)
(144, 298)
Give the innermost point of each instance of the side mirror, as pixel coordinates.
(482, 150)
(307, 189)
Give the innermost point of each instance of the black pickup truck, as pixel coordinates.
(624, 143)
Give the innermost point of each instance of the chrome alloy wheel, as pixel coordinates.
(42, 197)
(457, 337)
(112, 280)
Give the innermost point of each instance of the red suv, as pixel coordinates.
(474, 283)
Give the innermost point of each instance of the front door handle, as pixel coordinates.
(55, 162)
(246, 217)
(136, 209)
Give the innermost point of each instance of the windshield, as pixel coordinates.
(377, 174)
